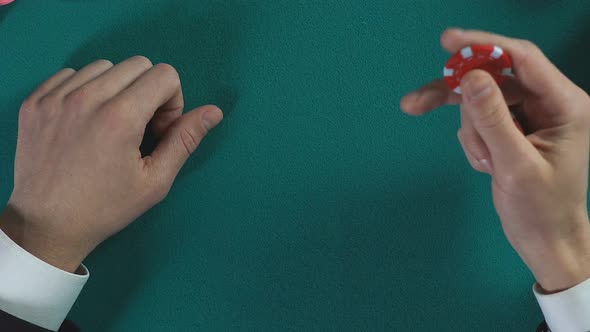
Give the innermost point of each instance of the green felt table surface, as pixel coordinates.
(317, 205)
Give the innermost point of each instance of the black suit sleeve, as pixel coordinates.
(13, 324)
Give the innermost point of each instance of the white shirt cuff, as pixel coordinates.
(568, 311)
(33, 290)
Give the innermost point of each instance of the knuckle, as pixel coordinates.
(118, 106)
(168, 71)
(77, 98)
(27, 110)
(104, 62)
(51, 99)
(28, 105)
(121, 128)
(68, 70)
(480, 168)
(478, 79)
(529, 46)
(530, 50)
(476, 165)
(494, 115)
(116, 116)
(190, 139)
(142, 61)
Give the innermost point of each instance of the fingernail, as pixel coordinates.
(487, 165)
(477, 88)
(212, 118)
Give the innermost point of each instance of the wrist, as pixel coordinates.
(560, 264)
(39, 242)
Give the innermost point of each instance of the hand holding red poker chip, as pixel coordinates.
(490, 58)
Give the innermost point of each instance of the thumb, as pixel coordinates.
(487, 109)
(182, 139)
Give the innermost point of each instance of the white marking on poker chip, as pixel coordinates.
(507, 72)
(458, 90)
(497, 53)
(449, 72)
(467, 52)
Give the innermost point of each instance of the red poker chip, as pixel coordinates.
(5, 2)
(490, 58)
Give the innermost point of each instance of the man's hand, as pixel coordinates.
(79, 174)
(540, 181)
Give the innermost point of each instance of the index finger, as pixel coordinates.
(438, 93)
(532, 68)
